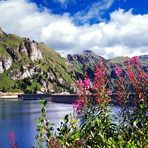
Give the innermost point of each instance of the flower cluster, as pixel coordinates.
(118, 70)
(97, 126)
(78, 105)
(135, 75)
(134, 60)
(12, 139)
(146, 77)
(95, 91)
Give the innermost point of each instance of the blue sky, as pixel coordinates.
(108, 27)
(84, 6)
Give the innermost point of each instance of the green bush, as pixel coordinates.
(92, 124)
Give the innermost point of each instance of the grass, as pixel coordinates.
(5, 81)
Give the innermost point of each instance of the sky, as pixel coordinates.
(110, 28)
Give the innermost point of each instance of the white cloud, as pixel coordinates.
(124, 34)
(95, 11)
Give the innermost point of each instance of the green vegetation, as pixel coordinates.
(51, 64)
(93, 124)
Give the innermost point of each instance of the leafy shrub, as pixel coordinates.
(92, 124)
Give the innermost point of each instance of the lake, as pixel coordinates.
(21, 117)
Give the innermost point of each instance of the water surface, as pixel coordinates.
(21, 117)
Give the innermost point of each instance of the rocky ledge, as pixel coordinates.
(5, 64)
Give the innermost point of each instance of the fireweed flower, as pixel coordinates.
(78, 105)
(99, 76)
(130, 74)
(79, 83)
(98, 73)
(86, 83)
(146, 77)
(135, 60)
(118, 71)
(83, 90)
(12, 139)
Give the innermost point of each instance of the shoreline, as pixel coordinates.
(9, 96)
(57, 98)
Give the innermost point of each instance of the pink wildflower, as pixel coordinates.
(130, 74)
(134, 60)
(146, 77)
(78, 105)
(98, 73)
(79, 83)
(12, 139)
(86, 83)
(140, 75)
(118, 71)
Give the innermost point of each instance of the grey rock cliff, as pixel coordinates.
(23, 49)
(25, 72)
(86, 57)
(32, 49)
(1, 66)
(5, 64)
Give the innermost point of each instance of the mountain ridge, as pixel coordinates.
(29, 66)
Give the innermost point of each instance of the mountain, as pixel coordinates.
(29, 66)
(87, 61)
(84, 63)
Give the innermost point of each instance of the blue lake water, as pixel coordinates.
(21, 117)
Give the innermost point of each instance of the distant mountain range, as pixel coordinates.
(28, 66)
(87, 61)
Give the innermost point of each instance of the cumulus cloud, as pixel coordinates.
(124, 34)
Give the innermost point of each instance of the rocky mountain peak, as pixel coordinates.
(87, 56)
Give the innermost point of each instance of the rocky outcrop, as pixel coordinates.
(83, 63)
(29, 48)
(47, 86)
(5, 64)
(13, 52)
(25, 72)
(34, 53)
(32, 49)
(61, 81)
(23, 49)
(87, 57)
(1, 66)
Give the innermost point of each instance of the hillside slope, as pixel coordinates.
(28, 66)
